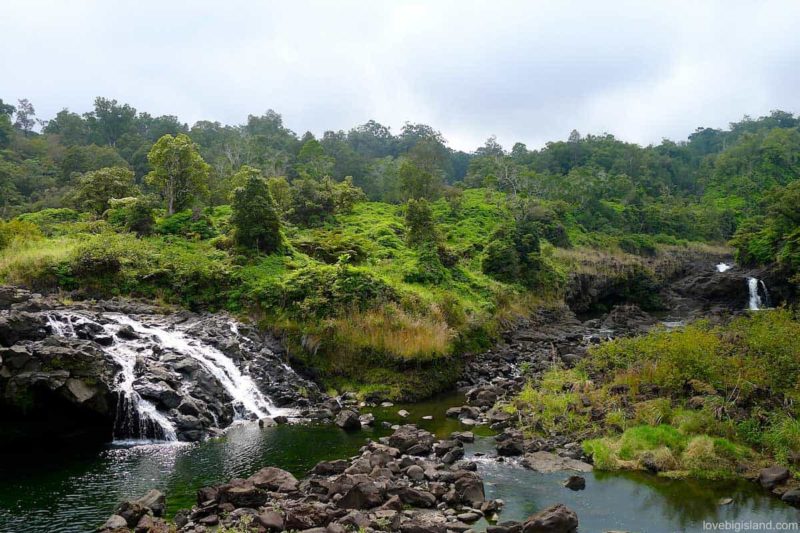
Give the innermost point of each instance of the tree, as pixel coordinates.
(255, 216)
(178, 171)
(110, 121)
(96, 188)
(80, 159)
(420, 227)
(25, 116)
(312, 162)
(70, 127)
(240, 178)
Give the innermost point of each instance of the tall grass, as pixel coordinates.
(393, 332)
(34, 263)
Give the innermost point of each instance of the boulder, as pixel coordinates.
(410, 439)
(575, 483)
(547, 462)
(555, 519)
(274, 479)
(348, 420)
(469, 489)
(270, 520)
(417, 498)
(242, 494)
(792, 497)
(364, 495)
(773, 476)
(329, 468)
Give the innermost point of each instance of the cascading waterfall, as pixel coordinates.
(248, 399)
(756, 288)
(138, 418)
(723, 267)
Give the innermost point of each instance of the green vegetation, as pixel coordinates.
(703, 401)
(380, 257)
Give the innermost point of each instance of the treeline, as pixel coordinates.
(699, 189)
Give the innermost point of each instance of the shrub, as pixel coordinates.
(428, 268)
(329, 245)
(17, 230)
(48, 220)
(637, 244)
(189, 223)
(132, 214)
(324, 291)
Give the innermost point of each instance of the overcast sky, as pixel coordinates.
(522, 70)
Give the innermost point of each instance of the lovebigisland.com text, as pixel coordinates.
(749, 525)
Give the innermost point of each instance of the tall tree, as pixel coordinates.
(26, 116)
(178, 170)
(255, 216)
(110, 121)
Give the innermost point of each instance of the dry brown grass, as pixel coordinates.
(393, 332)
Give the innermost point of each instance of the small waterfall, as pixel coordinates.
(248, 398)
(756, 288)
(136, 418)
(723, 267)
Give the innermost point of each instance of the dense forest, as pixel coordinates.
(371, 244)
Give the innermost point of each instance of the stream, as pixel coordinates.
(78, 489)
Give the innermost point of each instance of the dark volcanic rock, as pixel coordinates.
(555, 519)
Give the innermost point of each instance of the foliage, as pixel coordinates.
(179, 171)
(132, 214)
(324, 291)
(97, 187)
(17, 230)
(190, 223)
(255, 217)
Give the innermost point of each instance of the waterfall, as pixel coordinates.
(249, 399)
(756, 287)
(136, 417)
(723, 267)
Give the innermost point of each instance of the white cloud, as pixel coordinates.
(525, 71)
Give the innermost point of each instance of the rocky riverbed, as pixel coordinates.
(408, 482)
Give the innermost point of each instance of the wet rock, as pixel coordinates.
(242, 494)
(410, 439)
(469, 489)
(792, 497)
(417, 498)
(115, 521)
(547, 462)
(403, 413)
(327, 468)
(348, 420)
(555, 519)
(463, 436)
(773, 476)
(575, 483)
(367, 419)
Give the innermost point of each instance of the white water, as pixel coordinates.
(136, 416)
(755, 287)
(723, 267)
(239, 386)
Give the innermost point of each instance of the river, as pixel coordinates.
(76, 489)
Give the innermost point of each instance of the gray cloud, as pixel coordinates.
(525, 71)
